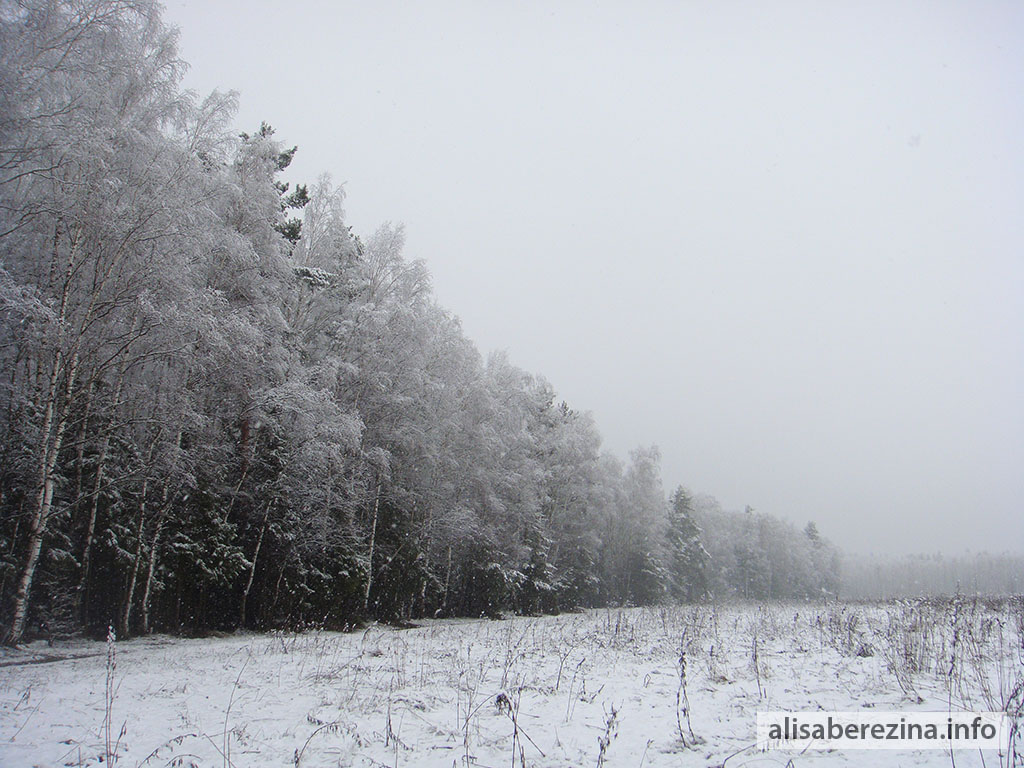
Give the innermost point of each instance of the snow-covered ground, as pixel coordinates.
(599, 688)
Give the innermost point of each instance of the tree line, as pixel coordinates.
(870, 577)
(222, 408)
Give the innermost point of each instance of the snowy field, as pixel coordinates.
(600, 688)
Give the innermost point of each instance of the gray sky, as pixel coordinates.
(784, 241)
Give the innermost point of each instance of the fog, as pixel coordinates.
(782, 242)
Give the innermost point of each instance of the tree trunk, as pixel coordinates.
(149, 577)
(52, 422)
(277, 584)
(56, 405)
(90, 531)
(252, 568)
(447, 581)
(153, 550)
(81, 591)
(373, 543)
(10, 553)
(126, 610)
(80, 464)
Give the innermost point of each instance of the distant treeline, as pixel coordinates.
(868, 577)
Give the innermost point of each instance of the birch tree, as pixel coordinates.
(92, 182)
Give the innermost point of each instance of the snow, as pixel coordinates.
(546, 691)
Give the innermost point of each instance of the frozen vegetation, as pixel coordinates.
(223, 411)
(662, 686)
(222, 408)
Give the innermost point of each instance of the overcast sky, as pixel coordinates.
(783, 241)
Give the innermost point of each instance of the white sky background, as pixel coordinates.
(783, 241)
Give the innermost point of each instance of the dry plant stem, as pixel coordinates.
(176, 741)
(329, 727)
(757, 667)
(682, 701)
(643, 757)
(571, 703)
(611, 730)
(562, 658)
(108, 698)
(35, 709)
(226, 751)
(510, 708)
(737, 753)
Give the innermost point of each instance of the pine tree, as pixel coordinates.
(689, 560)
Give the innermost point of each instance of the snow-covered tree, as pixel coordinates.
(688, 560)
